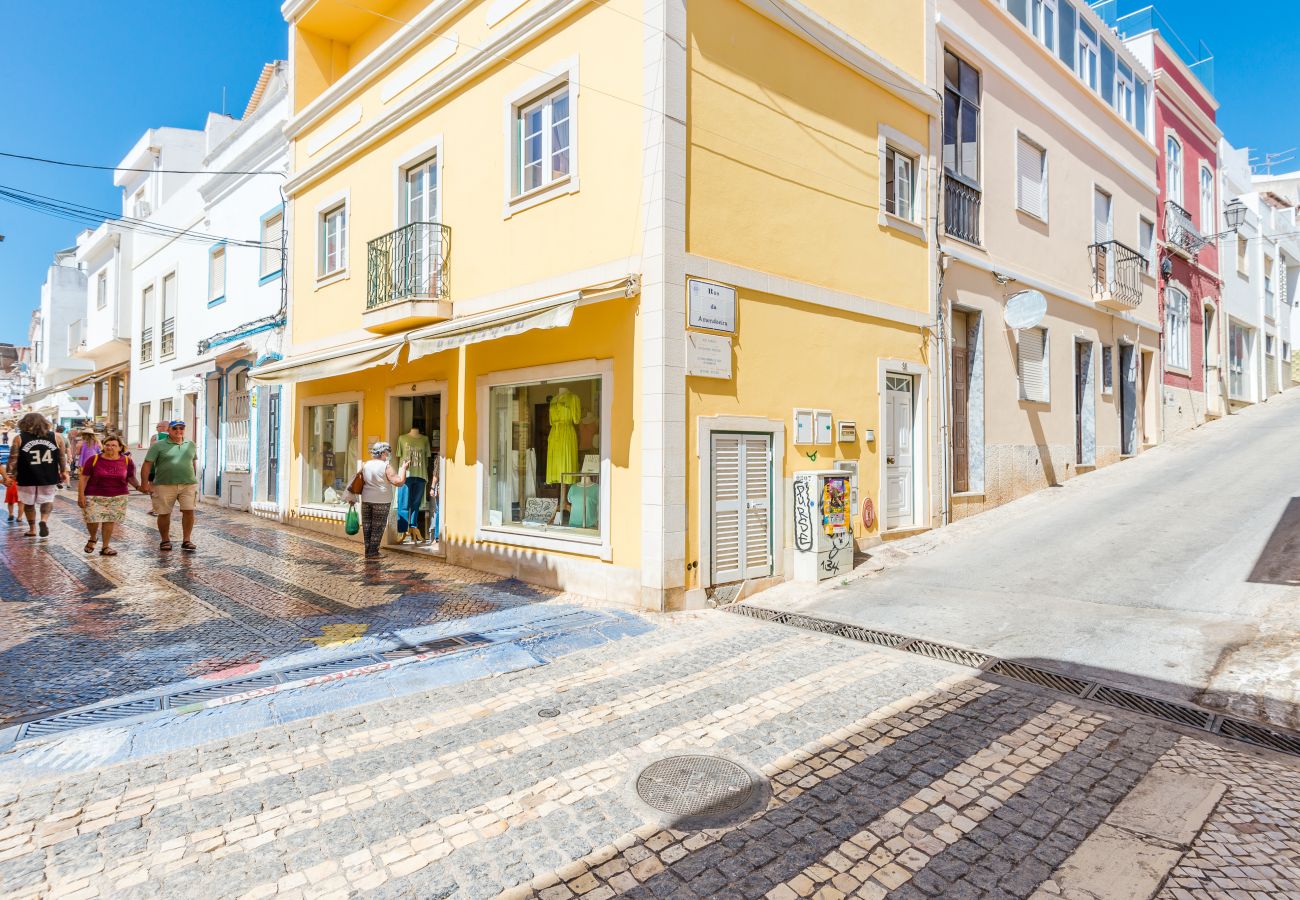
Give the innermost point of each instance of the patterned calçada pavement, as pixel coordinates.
(888, 774)
(80, 628)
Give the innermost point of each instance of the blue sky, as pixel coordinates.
(83, 80)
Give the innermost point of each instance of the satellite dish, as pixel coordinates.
(1025, 309)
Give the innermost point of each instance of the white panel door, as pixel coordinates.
(742, 503)
(899, 486)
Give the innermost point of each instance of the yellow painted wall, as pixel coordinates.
(788, 354)
(601, 331)
(896, 31)
(783, 159)
(598, 224)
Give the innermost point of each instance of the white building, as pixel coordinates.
(60, 390)
(1261, 268)
(208, 299)
(240, 322)
(102, 335)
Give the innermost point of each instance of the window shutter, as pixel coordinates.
(1031, 360)
(757, 541)
(218, 276)
(272, 231)
(727, 551)
(1031, 188)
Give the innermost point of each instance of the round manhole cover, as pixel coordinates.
(699, 791)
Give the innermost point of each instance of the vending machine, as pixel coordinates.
(823, 525)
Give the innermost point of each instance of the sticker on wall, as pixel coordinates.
(835, 505)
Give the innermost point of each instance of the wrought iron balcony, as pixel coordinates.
(1116, 275)
(961, 210)
(1180, 231)
(146, 345)
(408, 264)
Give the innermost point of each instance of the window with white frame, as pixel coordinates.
(271, 261)
(146, 324)
(1177, 329)
(1270, 298)
(1286, 351)
(1243, 256)
(101, 290)
(1087, 54)
(217, 274)
(961, 118)
(1174, 170)
(420, 192)
(542, 141)
(1031, 364)
(1042, 22)
(1031, 177)
(1207, 201)
(1124, 93)
(145, 424)
(1146, 242)
(1107, 369)
(900, 184)
(167, 335)
(1270, 344)
(333, 240)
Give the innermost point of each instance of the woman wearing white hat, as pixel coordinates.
(377, 480)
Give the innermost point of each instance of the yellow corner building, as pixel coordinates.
(609, 274)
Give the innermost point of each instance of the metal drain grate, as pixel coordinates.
(328, 668)
(698, 791)
(871, 636)
(1152, 706)
(1258, 734)
(446, 645)
(948, 654)
(1041, 677)
(225, 689)
(808, 623)
(69, 721)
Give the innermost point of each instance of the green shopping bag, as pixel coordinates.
(352, 524)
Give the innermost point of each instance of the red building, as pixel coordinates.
(1186, 260)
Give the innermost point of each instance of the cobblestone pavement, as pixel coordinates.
(890, 776)
(80, 628)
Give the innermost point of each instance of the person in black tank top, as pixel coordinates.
(40, 467)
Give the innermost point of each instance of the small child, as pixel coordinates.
(11, 491)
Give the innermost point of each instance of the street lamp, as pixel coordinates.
(1234, 216)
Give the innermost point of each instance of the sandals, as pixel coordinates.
(165, 545)
(90, 547)
(188, 546)
(108, 551)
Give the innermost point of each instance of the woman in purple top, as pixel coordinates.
(106, 479)
(89, 447)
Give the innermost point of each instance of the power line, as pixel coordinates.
(77, 165)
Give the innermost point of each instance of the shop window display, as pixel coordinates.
(333, 452)
(545, 457)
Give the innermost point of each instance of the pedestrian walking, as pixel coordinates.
(160, 431)
(377, 482)
(40, 467)
(170, 474)
(61, 439)
(87, 447)
(106, 480)
(11, 490)
(73, 450)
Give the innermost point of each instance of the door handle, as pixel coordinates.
(889, 460)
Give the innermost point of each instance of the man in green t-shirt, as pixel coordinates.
(170, 474)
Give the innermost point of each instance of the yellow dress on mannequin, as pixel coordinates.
(562, 443)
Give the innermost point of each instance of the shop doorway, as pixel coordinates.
(900, 487)
(1085, 409)
(416, 419)
(741, 477)
(960, 404)
(1129, 417)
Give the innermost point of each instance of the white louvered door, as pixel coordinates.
(742, 504)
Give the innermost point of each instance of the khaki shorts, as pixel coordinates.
(165, 496)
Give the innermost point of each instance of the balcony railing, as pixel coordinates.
(1116, 275)
(961, 210)
(168, 337)
(146, 345)
(76, 337)
(408, 264)
(1180, 231)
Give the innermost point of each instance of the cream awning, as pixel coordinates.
(37, 396)
(335, 361)
(553, 312)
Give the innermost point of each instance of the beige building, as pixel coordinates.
(1047, 219)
